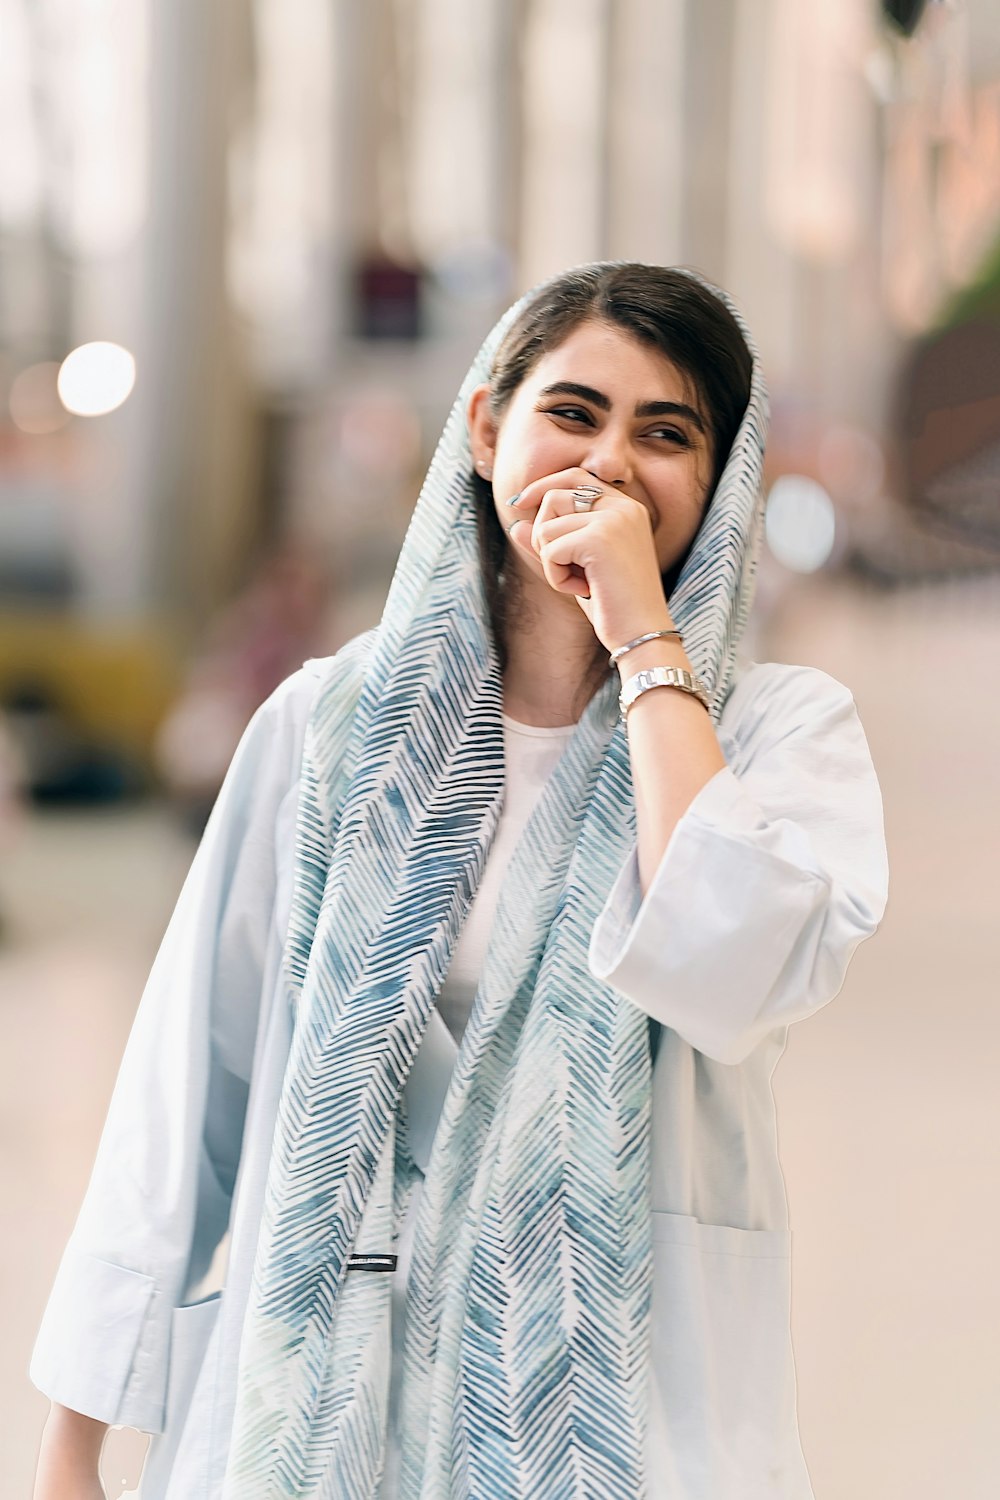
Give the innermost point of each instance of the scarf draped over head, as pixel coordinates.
(528, 1300)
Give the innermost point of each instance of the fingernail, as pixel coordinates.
(515, 498)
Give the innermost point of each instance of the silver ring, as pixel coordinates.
(585, 495)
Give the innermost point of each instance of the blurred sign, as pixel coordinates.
(950, 429)
(388, 299)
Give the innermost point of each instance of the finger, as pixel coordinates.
(559, 506)
(561, 552)
(546, 529)
(550, 502)
(546, 511)
(558, 556)
(556, 570)
(565, 578)
(519, 532)
(565, 479)
(530, 534)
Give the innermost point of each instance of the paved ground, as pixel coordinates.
(887, 1098)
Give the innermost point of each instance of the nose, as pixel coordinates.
(609, 457)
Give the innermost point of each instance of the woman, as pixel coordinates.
(552, 1260)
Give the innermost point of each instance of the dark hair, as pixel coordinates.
(661, 307)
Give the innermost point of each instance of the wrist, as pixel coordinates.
(667, 651)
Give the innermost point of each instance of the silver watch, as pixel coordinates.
(651, 677)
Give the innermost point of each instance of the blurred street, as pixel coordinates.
(887, 1099)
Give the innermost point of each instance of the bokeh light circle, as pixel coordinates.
(96, 378)
(800, 523)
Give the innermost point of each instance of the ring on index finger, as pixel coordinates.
(585, 495)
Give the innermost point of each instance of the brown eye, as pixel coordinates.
(571, 413)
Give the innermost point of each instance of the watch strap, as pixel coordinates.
(652, 677)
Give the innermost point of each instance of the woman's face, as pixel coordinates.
(603, 402)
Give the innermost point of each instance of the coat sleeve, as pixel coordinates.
(771, 879)
(160, 1193)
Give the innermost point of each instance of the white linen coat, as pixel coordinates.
(773, 876)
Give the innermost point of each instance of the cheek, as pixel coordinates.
(690, 495)
(529, 453)
(701, 476)
(682, 509)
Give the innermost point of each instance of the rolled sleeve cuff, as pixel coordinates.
(95, 1351)
(703, 950)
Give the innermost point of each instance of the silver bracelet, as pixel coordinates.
(652, 677)
(653, 635)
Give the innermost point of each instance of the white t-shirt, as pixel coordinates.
(531, 754)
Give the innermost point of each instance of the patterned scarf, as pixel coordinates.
(528, 1302)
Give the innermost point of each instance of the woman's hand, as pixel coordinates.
(608, 552)
(604, 556)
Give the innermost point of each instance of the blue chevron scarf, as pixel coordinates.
(528, 1301)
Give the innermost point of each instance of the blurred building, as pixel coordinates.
(299, 221)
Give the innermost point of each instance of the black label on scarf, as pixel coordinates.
(371, 1262)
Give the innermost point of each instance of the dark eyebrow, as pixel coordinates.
(670, 409)
(644, 409)
(585, 392)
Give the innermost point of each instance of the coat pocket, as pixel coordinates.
(190, 1333)
(722, 1400)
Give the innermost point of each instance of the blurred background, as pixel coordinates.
(247, 250)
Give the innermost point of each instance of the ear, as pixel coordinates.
(482, 428)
